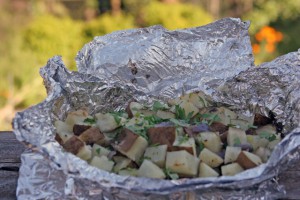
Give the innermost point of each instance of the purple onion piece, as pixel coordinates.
(200, 128)
(164, 124)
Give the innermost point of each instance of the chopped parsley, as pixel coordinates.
(171, 174)
(210, 118)
(183, 139)
(236, 141)
(159, 106)
(90, 120)
(269, 136)
(98, 151)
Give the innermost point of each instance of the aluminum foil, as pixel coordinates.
(154, 63)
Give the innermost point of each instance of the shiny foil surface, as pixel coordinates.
(154, 63)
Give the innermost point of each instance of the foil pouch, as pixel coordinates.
(156, 64)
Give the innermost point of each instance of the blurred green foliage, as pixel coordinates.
(175, 16)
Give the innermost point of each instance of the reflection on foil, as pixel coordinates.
(154, 63)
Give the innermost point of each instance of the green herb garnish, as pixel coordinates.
(210, 118)
(159, 106)
(90, 120)
(183, 139)
(201, 146)
(236, 141)
(269, 136)
(171, 174)
(98, 151)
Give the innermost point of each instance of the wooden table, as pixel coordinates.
(11, 149)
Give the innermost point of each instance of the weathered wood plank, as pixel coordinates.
(10, 151)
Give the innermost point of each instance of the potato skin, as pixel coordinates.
(162, 135)
(245, 162)
(73, 145)
(92, 135)
(260, 120)
(126, 140)
(218, 127)
(79, 129)
(58, 139)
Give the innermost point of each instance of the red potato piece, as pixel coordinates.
(260, 120)
(248, 160)
(132, 108)
(179, 148)
(218, 127)
(162, 135)
(78, 129)
(58, 139)
(126, 140)
(73, 145)
(92, 135)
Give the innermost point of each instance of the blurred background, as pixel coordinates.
(32, 31)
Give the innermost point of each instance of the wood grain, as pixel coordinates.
(11, 149)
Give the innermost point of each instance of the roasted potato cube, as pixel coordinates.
(254, 140)
(133, 108)
(102, 163)
(197, 99)
(182, 143)
(157, 154)
(271, 129)
(126, 139)
(183, 163)
(231, 169)
(236, 136)
(188, 108)
(211, 141)
(231, 154)
(263, 153)
(121, 163)
(106, 122)
(62, 127)
(210, 158)
(128, 172)
(162, 135)
(260, 120)
(99, 151)
(76, 117)
(225, 115)
(136, 150)
(150, 170)
(218, 127)
(165, 114)
(207, 171)
(248, 160)
(92, 135)
(85, 153)
(80, 128)
(73, 145)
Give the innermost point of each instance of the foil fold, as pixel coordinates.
(154, 63)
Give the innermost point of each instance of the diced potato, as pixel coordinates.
(76, 117)
(85, 153)
(231, 154)
(102, 163)
(92, 135)
(133, 108)
(174, 102)
(73, 145)
(128, 172)
(231, 169)
(183, 163)
(157, 154)
(248, 160)
(98, 150)
(188, 108)
(272, 144)
(146, 112)
(162, 135)
(263, 142)
(210, 158)
(106, 122)
(137, 149)
(207, 171)
(165, 114)
(62, 127)
(64, 136)
(150, 170)
(260, 120)
(197, 99)
(254, 140)
(211, 141)
(240, 123)
(266, 129)
(78, 129)
(236, 136)
(218, 127)
(263, 153)
(185, 144)
(121, 163)
(225, 115)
